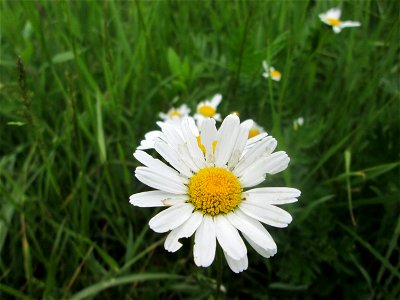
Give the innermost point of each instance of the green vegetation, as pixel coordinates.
(91, 79)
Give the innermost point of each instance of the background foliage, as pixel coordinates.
(95, 76)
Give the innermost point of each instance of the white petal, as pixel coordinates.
(345, 24)
(160, 181)
(175, 140)
(229, 238)
(240, 142)
(192, 126)
(252, 229)
(275, 196)
(336, 29)
(191, 141)
(157, 165)
(208, 135)
(267, 253)
(171, 218)
(216, 100)
(173, 158)
(334, 13)
(185, 230)
(265, 65)
(205, 243)
(263, 147)
(255, 139)
(267, 214)
(276, 162)
(237, 266)
(226, 139)
(155, 199)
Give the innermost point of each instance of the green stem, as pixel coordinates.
(219, 273)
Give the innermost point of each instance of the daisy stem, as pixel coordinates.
(219, 273)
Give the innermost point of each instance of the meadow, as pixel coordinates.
(83, 81)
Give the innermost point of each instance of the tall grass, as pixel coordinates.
(90, 80)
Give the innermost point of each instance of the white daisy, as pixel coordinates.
(205, 189)
(298, 123)
(175, 114)
(255, 130)
(208, 109)
(271, 72)
(332, 18)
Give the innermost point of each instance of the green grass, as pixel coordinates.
(96, 76)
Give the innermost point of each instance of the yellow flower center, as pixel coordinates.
(253, 132)
(276, 74)
(206, 110)
(214, 191)
(333, 21)
(201, 146)
(174, 113)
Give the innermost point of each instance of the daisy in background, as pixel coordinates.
(174, 116)
(206, 188)
(332, 18)
(208, 109)
(255, 130)
(298, 123)
(271, 72)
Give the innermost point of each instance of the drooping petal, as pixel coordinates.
(160, 181)
(267, 214)
(185, 230)
(252, 229)
(171, 218)
(226, 139)
(229, 238)
(272, 195)
(205, 243)
(237, 266)
(156, 199)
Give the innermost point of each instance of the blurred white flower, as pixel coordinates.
(208, 109)
(255, 130)
(298, 123)
(332, 18)
(271, 72)
(203, 188)
(175, 114)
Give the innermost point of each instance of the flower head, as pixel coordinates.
(175, 114)
(332, 18)
(208, 109)
(206, 191)
(298, 123)
(271, 72)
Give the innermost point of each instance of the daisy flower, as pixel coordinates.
(332, 18)
(255, 130)
(298, 123)
(175, 114)
(208, 109)
(207, 190)
(271, 72)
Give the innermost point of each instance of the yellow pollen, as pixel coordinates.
(214, 191)
(333, 21)
(175, 113)
(276, 74)
(201, 146)
(236, 113)
(206, 110)
(253, 132)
